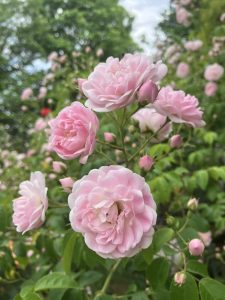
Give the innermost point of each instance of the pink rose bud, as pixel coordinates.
(180, 278)
(146, 162)
(206, 237)
(192, 204)
(109, 137)
(210, 89)
(29, 209)
(58, 166)
(196, 247)
(148, 92)
(176, 141)
(67, 184)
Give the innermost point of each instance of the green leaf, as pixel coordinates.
(56, 280)
(157, 272)
(139, 296)
(32, 296)
(90, 277)
(161, 237)
(210, 137)
(202, 178)
(68, 253)
(187, 291)
(196, 267)
(161, 189)
(211, 289)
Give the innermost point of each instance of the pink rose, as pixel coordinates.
(42, 92)
(29, 209)
(193, 45)
(40, 124)
(148, 92)
(26, 94)
(214, 72)
(176, 141)
(146, 162)
(182, 16)
(73, 132)
(149, 119)
(109, 137)
(210, 89)
(67, 184)
(180, 108)
(196, 247)
(182, 70)
(58, 166)
(115, 83)
(113, 208)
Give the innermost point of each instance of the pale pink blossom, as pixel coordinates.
(176, 141)
(58, 166)
(192, 204)
(62, 59)
(113, 208)
(115, 83)
(53, 56)
(182, 16)
(109, 137)
(179, 107)
(183, 70)
(40, 124)
(67, 184)
(171, 50)
(29, 209)
(48, 78)
(146, 162)
(214, 72)
(148, 92)
(210, 89)
(193, 45)
(206, 237)
(99, 52)
(26, 94)
(196, 247)
(73, 132)
(180, 278)
(149, 119)
(185, 2)
(87, 49)
(42, 92)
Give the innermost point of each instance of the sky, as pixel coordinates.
(147, 15)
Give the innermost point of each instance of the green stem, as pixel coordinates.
(106, 157)
(107, 281)
(109, 145)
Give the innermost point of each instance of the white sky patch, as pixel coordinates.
(147, 15)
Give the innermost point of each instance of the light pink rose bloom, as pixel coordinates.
(80, 82)
(73, 132)
(176, 141)
(149, 119)
(179, 107)
(53, 56)
(183, 70)
(58, 166)
(42, 92)
(29, 209)
(196, 247)
(146, 162)
(40, 124)
(26, 94)
(214, 72)
(193, 45)
(67, 184)
(115, 83)
(210, 89)
(113, 208)
(182, 16)
(206, 237)
(109, 137)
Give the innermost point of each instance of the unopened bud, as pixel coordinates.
(176, 141)
(145, 162)
(196, 247)
(180, 278)
(148, 92)
(192, 204)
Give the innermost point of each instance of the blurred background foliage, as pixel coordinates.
(30, 31)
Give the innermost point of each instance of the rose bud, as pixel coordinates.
(196, 247)
(109, 137)
(58, 166)
(67, 184)
(176, 141)
(145, 162)
(192, 204)
(148, 92)
(180, 278)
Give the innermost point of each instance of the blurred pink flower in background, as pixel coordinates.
(146, 162)
(40, 124)
(42, 92)
(210, 89)
(182, 16)
(109, 137)
(214, 72)
(115, 83)
(179, 107)
(48, 78)
(26, 94)
(193, 45)
(183, 70)
(206, 237)
(29, 209)
(99, 52)
(62, 59)
(185, 2)
(58, 166)
(67, 184)
(149, 119)
(113, 208)
(53, 56)
(73, 132)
